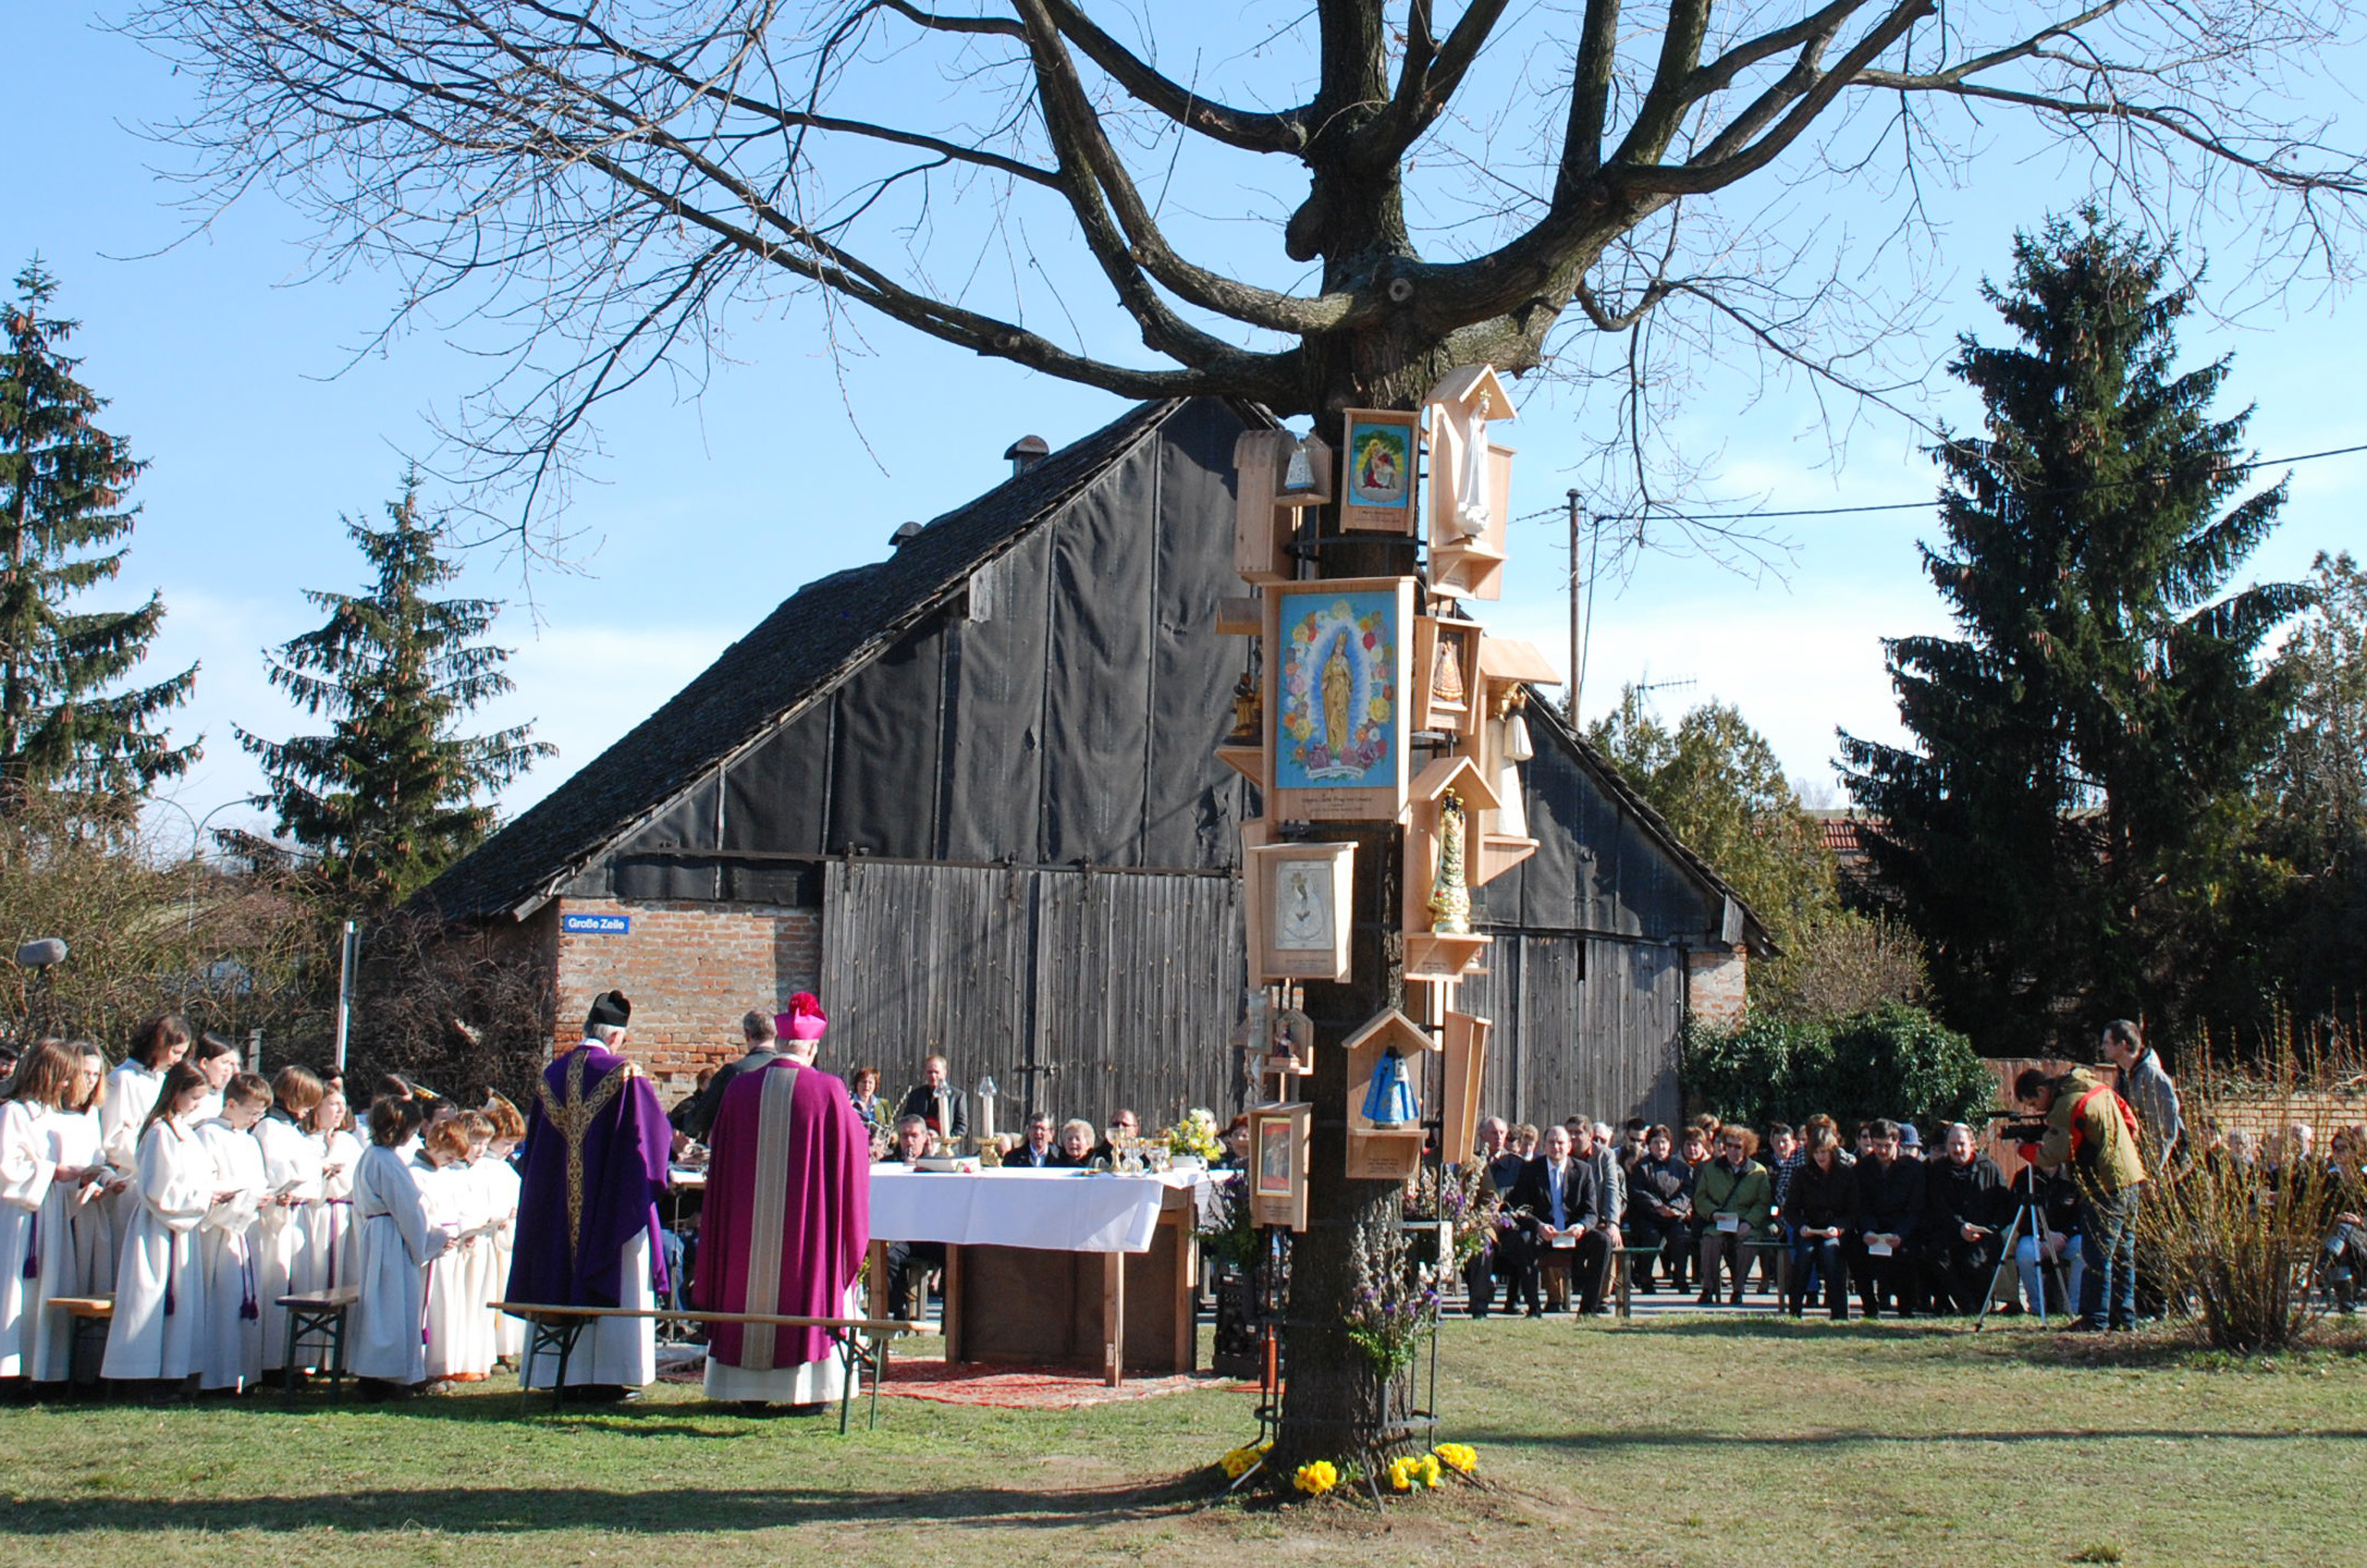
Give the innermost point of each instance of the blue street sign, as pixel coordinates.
(596, 924)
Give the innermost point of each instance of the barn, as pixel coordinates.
(969, 795)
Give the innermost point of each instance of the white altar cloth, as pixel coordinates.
(1053, 1210)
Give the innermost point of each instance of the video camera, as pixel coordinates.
(2019, 1127)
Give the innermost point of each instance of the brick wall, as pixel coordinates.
(1715, 984)
(691, 970)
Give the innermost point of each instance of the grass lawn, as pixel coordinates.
(1688, 1440)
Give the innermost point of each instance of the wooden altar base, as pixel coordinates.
(1106, 1312)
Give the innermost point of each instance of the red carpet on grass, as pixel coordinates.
(1032, 1388)
(1006, 1388)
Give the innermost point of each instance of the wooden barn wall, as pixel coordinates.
(1583, 1025)
(1078, 992)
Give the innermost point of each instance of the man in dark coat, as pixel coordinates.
(590, 1171)
(938, 1102)
(695, 1116)
(1554, 1204)
(1890, 1216)
(1965, 1208)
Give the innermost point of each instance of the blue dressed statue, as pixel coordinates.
(1390, 1100)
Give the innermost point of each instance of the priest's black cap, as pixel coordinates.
(611, 1008)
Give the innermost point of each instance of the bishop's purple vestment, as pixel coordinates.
(787, 1216)
(589, 1172)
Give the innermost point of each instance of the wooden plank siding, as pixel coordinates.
(1584, 1025)
(1122, 987)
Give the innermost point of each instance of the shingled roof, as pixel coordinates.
(797, 655)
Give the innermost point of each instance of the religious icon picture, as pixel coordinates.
(1446, 674)
(1383, 455)
(1337, 697)
(1298, 897)
(1278, 1135)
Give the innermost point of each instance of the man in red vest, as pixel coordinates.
(2093, 1128)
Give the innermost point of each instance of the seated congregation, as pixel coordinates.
(1911, 1232)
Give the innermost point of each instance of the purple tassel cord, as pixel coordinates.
(33, 1247)
(248, 1310)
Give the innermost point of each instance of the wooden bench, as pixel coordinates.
(323, 1314)
(555, 1329)
(93, 1316)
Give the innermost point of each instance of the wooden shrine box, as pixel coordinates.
(1474, 569)
(1358, 631)
(1262, 526)
(1298, 903)
(1506, 663)
(1380, 459)
(1433, 955)
(1450, 711)
(1467, 403)
(1278, 1163)
(1378, 1154)
(1464, 1038)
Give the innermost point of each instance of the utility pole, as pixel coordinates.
(1577, 612)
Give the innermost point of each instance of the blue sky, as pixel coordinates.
(236, 377)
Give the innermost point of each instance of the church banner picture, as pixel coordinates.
(1377, 484)
(1337, 697)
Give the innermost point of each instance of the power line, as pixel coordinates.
(1923, 505)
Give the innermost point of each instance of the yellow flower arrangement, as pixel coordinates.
(1239, 1462)
(1316, 1478)
(1412, 1471)
(1461, 1458)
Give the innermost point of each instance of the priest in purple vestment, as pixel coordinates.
(589, 1172)
(786, 1222)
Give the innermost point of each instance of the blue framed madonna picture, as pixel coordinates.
(1337, 698)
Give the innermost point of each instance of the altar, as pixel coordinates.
(1060, 1268)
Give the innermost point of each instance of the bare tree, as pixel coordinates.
(1329, 214)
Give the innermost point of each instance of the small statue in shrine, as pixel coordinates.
(1248, 713)
(1447, 690)
(1389, 1100)
(1512, 748)
(1449, 894)
(1298, 473)
(1471, 475)
(1294, 1032)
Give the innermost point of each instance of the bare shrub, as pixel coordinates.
(2239, 1228)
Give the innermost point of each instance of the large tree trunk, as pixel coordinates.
(1335, 1405)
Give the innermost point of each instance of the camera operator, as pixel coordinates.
(2092, 1127)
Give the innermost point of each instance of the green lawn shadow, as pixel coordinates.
(697, 1511)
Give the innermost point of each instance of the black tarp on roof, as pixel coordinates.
(830, 632)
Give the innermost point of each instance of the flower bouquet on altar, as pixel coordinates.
(1195, 1139)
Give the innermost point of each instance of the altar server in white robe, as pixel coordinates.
(218, 1059)
(292, 1170)
(458, 1342)
(499, 1179)
(329, 1263)
(28, 1176)
(233, 1354)
(396, 1245)
(50, 1082)
(132, 1093)
(83, 1142)
(159, 1328)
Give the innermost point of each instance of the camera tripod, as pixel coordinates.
(2030, 1218)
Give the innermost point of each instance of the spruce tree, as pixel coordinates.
(66, 729)
(392, 794)
(2062, 832)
